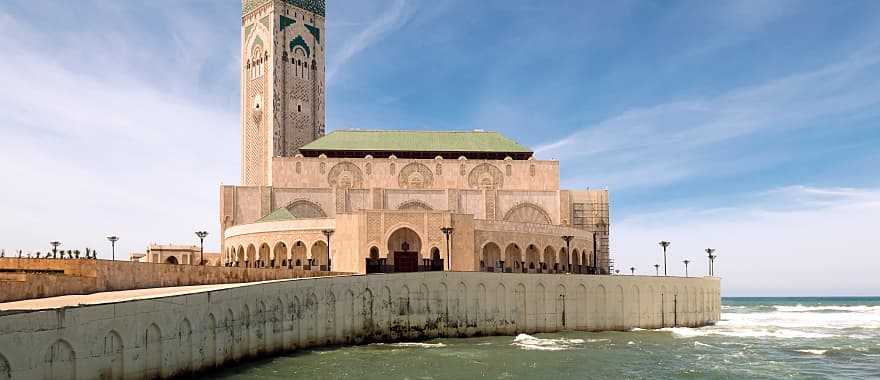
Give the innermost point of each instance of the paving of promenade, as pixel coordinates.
(110, 297)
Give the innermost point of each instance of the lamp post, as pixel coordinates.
(686, 262)
(201, 235)
(113, 240)
(710, 251)
(664, 244)
(448, 231)
(632, 270)
(567, 239)
(657, 269)
(327, 233)
(54, 245)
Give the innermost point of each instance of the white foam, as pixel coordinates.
(813, 352)
(849, 308)
(685, 332)
(528, 342)
(419, 345)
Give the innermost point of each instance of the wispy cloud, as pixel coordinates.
(687, 137)
(390, 19)
(796, 240)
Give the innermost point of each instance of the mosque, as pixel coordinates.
(385, 201)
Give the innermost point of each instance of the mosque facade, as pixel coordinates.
(385, 201)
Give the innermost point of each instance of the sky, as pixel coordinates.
(751, 127)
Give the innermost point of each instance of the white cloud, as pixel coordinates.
(789, 241)
(85, 155)
(690, 137)
(391, 19)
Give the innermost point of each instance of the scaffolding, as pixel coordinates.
(590, 211)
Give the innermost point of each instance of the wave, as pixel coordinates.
(839, 308)
(687, 332)
(528, 342)
(813, 352)
(419, 345)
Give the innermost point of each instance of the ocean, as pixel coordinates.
(757, 338)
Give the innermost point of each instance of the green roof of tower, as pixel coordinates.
(417, 141)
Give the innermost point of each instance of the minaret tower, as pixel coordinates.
(282, 82)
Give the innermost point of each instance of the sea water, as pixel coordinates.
(756, 338)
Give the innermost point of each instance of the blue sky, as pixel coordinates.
(750, 126)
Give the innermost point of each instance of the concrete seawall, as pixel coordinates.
(161, 337)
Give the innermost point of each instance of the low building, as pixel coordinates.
(174, 254)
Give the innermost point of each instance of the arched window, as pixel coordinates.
(374, 253)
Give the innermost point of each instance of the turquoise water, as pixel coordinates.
(757, 338)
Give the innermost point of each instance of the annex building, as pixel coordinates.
(368, 201)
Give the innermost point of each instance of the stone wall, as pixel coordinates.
(175, 335)
(37, 278)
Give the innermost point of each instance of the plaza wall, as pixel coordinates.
(38, 278)
(176, 335)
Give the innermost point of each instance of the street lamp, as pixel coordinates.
(657, 269)
(664, 244)
(567, 239)
(55, 245)
(686, 262)
(632, 270)
(201, 235)
(448, 231)
(113, 240)
(710, 251)
(327, 233)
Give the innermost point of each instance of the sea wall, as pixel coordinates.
(38, 278)
(175, 335)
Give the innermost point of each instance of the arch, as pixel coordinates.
(319, 254)
(229, 338)
(533, 258)
(415, 176)
(305, 209)
(575, 258)
(519, 307)
(251, 256)
(209, 355)
(563, 259)
(329, 317)
(528, 213)
(435, 253)
(405, 239)
(374, 252)
(279, 254)
(245, 332)
(5, 369)
(240, 258)
(560, 322)
(60, 361)
(512, 256)
(263, 258)
(501, 308)
(184, 346)
(113, 352)
(491, 255)
(549, 258)
(540, 309)
(153, 349)
(260, 330)
(414, 205)
(345, 175)
(485, 176)
(298, 254)
(171, 260)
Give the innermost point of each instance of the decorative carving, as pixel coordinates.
(299, 167)
(414, 205)
(490, 196)
(438, 169)
(303, 208)
(323, 167)
(486, 176)
(369, 168)
(528, 213)
(345, 175)
(508, 170)
(415, 176)
(532, 170)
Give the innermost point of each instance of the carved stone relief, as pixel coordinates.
(415, 176)
(345, 175)
(486, 176)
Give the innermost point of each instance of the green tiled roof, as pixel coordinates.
(277, 215)
(416, 141)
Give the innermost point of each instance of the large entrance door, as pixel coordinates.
(406, 262)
